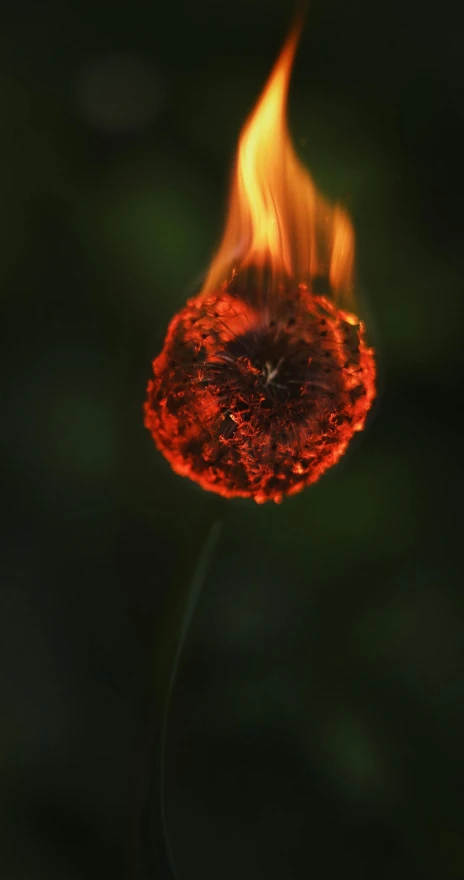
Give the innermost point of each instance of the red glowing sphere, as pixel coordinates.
(256, 406)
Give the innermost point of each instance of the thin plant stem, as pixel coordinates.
(157, 856)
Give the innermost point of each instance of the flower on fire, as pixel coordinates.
(263, 380)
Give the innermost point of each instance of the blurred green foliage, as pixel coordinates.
(318, 717)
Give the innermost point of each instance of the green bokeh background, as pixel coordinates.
(318, 717)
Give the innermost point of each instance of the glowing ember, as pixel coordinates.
(262, 381)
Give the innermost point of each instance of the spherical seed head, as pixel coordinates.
(257, 406)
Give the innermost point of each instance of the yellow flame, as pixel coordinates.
(276, 217)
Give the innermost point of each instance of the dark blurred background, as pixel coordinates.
(318, 717)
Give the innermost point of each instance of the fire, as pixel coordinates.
(276, 218)
(263, 381)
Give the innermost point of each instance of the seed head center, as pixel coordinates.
(269, 371)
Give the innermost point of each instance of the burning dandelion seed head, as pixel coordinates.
(259, 408)
(263, 381)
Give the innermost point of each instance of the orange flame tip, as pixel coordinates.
(277, 220)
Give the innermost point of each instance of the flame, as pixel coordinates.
(276, 219)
